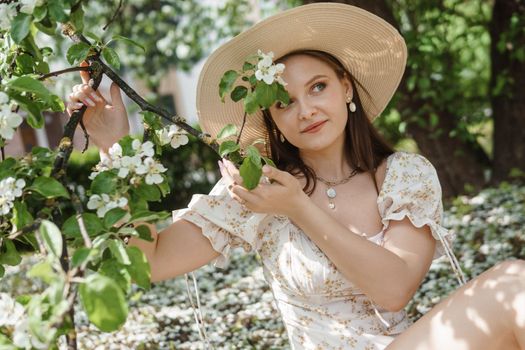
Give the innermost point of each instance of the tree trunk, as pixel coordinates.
(508, 104)
(457, 163)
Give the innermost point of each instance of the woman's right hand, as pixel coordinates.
(105, 122)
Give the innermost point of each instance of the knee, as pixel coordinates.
(511, 267)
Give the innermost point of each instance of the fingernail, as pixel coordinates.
(91, 82)
(220, 164)
(266, 169)
(90, 102)
(95, 97)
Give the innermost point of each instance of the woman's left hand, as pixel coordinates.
(284, 196)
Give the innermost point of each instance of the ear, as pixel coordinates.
(349, 91)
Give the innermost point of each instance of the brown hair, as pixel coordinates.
(366, 147)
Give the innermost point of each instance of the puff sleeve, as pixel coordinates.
(224, 221)
(411, 189)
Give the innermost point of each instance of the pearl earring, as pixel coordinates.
(352, 107)
(281, 137)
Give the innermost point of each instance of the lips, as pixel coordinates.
(312, 126)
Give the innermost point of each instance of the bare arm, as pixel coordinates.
(178, 249)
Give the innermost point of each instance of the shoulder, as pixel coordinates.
(407, 169)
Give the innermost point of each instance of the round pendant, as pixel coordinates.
(331, 205)
(331, 193)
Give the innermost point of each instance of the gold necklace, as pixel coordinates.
(330, 192)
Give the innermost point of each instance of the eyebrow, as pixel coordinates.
(315, 77)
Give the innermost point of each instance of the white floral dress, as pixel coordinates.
(320, 308)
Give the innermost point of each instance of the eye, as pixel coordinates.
(319, 86)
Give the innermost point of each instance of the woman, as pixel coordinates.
(348, 228)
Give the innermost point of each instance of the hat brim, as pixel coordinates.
(369, 47)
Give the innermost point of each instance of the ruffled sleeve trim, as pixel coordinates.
(224, 221)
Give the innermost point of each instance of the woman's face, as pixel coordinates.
(317, 95)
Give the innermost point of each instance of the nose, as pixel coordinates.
(306, 109)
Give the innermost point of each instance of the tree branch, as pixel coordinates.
(57, 73)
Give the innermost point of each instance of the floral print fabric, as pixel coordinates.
(320, 308)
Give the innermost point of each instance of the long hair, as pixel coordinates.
(365, 148)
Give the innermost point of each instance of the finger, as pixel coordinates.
(94, 95)
(243, 196)
(83, 74)
(116, 95)
(73, 106)
(281, 177)
(82, 97)
(225, 174)
(233, 171)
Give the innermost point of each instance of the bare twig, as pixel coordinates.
(57, 73)
(242, 127)
(117, 11)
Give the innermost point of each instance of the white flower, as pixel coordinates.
(10, 188)
(11, 312)
(172, 135)
(152, 169)
(7, 13)
(267, 71)
(143, 149)
(128, 165)
(3, 98)
(104, 203)
(115, 151)
(23, 338)
(28, 6)
(9, 121)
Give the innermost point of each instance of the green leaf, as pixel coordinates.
(46, 26)
(104, 182)
(269, 162)
(2, 273)
(247, 66)
(6, 167)
(111, 57)
(81, 255)
(104, 302)
(55, 8)
(21, 216)
(239, 93)
(93, 36)
(117, 272)
(8, 254)
(49, 187)
(144, 233)
(250, 103)
(24, 63)
(35, 119)
(52, 237)
(39, 13)
(119, 251)
(253, 153)
(282, 94)
(113, 216)
(28, 84)
(44, 271)
(228, 147)
(147, 192)
(128, 41)
(226, 83)
(20, 27)
(250, 173)
(139, 269)
(77, 19)
(265, 94)
(56, 104)
(77, 53)
(92, 223)
(146, 215)
(228, 130)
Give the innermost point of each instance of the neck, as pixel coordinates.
(329, 164)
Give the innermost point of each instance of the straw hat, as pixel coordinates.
(370, 48)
